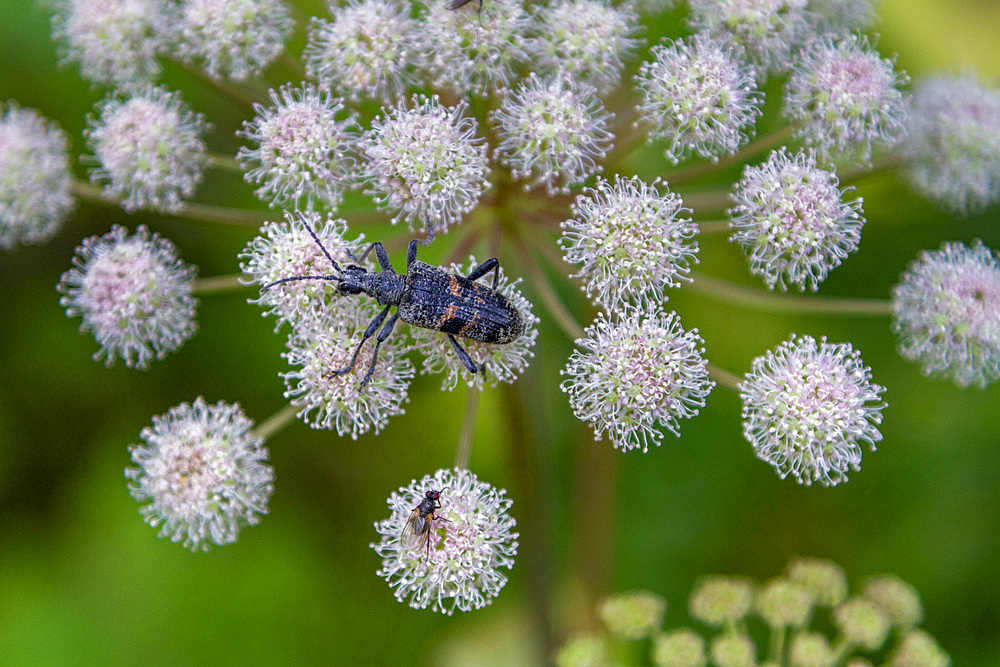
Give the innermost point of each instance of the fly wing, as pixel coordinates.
(416, 531)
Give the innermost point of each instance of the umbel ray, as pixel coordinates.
(425, 296)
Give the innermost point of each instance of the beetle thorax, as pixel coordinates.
(386, 287)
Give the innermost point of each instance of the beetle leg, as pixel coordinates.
(382, 335)
(369, 331)
(411, 253)
(462, 354)
(380, 255)
(484, 268)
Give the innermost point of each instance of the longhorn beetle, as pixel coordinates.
(425, 296)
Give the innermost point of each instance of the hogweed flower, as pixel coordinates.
(946, 313)
(635, 373)
(846, 97)
(898, 599)
(733, 649)
(679, 648)
(806, 408)
(792, 221)
(919, 649)
(302, 153)
(474, 52)
(768, 30)
(635, 615)
(784, 603)
(426, 163)
(952, 145)
(583, 650)
(584, 40)
(115, 42)
(232, 39)
(826, 581)
(471, 541)
(840, 17)
(133, 293)
(286, 249)
(368, 50)
(700, 96)
(202, 474)
(148, 147)
(552, 132)
(811, 649)
(338, 401)
(631, 241)
(35, 195)
(721, 601)
(495, 363)
(862, 623)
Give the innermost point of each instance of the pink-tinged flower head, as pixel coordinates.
(302, 154)
(952, 146)
(584, 40)
(115, 42)
(35, 196)
(792, 221)
(946, 313)
(846, 97)
(806, 407)
(496, 363)
(232, 39)
(636, 373)
(470, 540)
(369, 49)
(149, 150)
(840, 17)
(133, 293)
(919, 649)
(202, 474)
(698, 95)
(472, 51)
(552, 132)
(339, 402)
(286, 249)
(768, 30)
(425, 163)
(631, 242)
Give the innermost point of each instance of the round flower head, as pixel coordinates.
(302, 153)
(825, 580)
(426, 163)
(846, 97)
(232, 39)
(474, 52)
(340, 401)
(552, 132)
(583, 650)
(286, 249)
(811, 649)
(721, 601)
(495, 363)
(457, 563)
(898, 599)
(632, 616)
(862, 623)
(782, 603)
(919, 649)
(840, 16)
(733, 649)
(636, 372)
(946, 313)
(700, 96)
(792, 222)
(953, 143)
(367, 51)
(149, 149)
(35, 196)
(631, 242)
(679, 648)
(133, 293)
(202, 474)
(768, 30)
(584, 40)
(115, 42)
(806, 406)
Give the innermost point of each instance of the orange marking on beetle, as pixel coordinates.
(475, 316)
(448, 314)
(453, 286)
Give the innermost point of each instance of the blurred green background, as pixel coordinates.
(83, 580)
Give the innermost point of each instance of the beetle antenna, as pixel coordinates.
(292, 278)
(302, 219)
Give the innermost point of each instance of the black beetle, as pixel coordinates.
(425, 296)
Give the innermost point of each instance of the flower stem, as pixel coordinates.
(713, 227)
(468, 426)
(276, 422)
(558, 310)
(224, 162)
(756, 299)
(723, 377)
(217, 284)
(758, 145)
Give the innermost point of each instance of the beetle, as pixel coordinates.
(418, 526)
(425, 296)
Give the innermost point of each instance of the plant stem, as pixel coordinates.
(557, 309)
(749, 297)
(217, 284)
(713, 226)
(468, 426)
(225, 163)
(723, 377)
(758, 145)
(276, 422)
